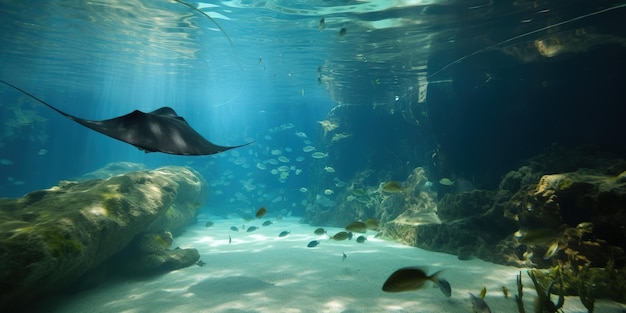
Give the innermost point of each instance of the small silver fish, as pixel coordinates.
(552, 250)
(444, 286)
(313, 243)
(322, 24)
(479, 305)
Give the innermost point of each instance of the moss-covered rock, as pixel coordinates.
(584, 208)
(49, 238)
(149, 253)
(471, 226)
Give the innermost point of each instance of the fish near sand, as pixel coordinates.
(319, 231)
(407, 279)
(444, 286)
(357, 227)
(313, 243)
(284, 233)
(372, 224)
(262, 211)
(161, 130)
(251, 229)
(479, 305)
(342, 235)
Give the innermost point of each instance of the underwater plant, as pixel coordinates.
(586, 282)
(585, 291)
(520, 294)
(543, 303)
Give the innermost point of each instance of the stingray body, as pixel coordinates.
(161, 130)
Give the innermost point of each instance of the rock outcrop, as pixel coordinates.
(578, 195)
(149, 253)
(50, 238)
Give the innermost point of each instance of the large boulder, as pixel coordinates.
(50, 238)
(149, 253)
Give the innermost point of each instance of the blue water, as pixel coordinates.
(274, 72)
(467, 90)
(104, 60)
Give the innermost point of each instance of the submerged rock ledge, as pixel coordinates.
(50, 238)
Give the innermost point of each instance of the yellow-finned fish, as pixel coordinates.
(446, 181)
(372, 224)
(552, 250)
(357, 227)
(392, 187)
(483, 293)
(407, 279)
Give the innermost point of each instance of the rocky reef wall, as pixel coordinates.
(50, 238)
(565, 209)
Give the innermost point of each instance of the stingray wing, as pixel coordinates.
(161, 130)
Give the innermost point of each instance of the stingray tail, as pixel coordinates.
(239, 146)
(42, 102)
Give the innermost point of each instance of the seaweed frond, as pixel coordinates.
(585, 290)
(544, 303)
(520, 293)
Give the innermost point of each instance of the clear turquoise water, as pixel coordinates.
(272, 66)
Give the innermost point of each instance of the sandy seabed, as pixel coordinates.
(261, 272)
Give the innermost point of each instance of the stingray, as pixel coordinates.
(161, 130)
